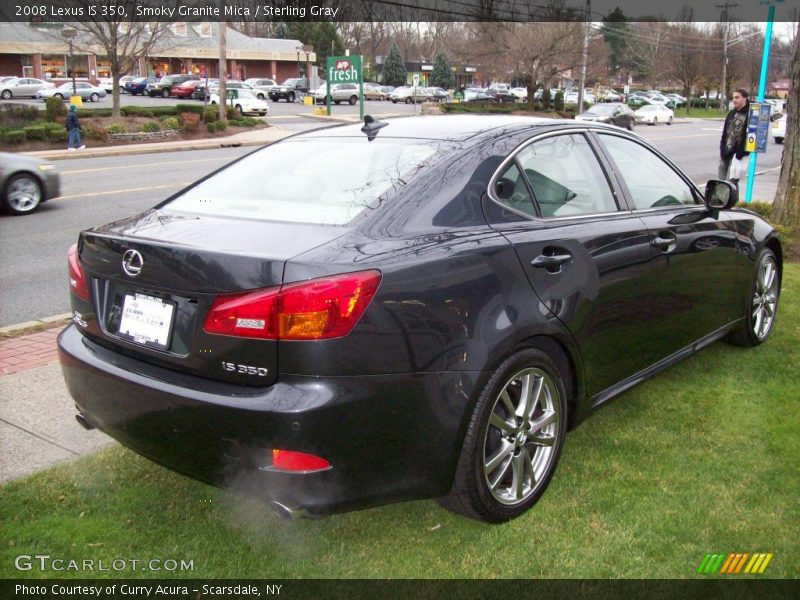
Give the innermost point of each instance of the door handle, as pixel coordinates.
(553, 261)
(662, 242)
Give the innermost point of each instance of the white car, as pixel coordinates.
(778, 127)
(653, 114)
(107, 83)
(409, 96)
(261, 86)
(245, 101)
(658, 99)
(521, 93)
(572, 98)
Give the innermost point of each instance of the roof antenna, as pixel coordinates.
(372, 126)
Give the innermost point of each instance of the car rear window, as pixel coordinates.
(324, 181)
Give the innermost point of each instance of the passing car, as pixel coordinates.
(26, 182)
(409, 95)
(243, 100)
(86, 91)
(615, 113)
(163, 87)
(424, 313)
(260, 86)
(653, 114)
(778, 128)
(289, 89)
(20, 87)
(340, 92)
(138, 85)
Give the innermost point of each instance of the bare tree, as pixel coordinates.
(646, 49)
(688, 54)
(786, 207)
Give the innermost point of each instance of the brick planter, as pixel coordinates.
(143, 136)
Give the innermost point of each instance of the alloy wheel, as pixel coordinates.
(765, 298)
(521, 436)
(23, 194)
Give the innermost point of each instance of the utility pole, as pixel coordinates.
(585, 53)
(223, 71)
(723, 104)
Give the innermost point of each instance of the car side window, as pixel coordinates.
(566, 177)
(651, 182)
(510, 188)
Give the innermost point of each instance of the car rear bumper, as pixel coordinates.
(387, 437)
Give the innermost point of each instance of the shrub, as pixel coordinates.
(56, 135)
(222, 125)
(212, 126)
(163, 111)
(35, 132)
(232, 113)
(762, 208)
(244, 122)
(15, 136)
(190, 121)
(170, 123)
(197, 109)
(211, 115)
(547, 99)
(93, 132)
(16, 114)
(115, 128)
(558, 104)
(150, 127)
(54, 108)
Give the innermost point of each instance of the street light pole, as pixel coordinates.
(584, 58)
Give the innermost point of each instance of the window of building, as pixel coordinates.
(179, 29)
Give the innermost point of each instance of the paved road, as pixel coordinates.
(33, 277)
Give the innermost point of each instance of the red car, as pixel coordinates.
(183, 90)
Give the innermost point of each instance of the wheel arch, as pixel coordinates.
(774, 244)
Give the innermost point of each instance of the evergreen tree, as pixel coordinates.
(442, 75)
(282, 31)
(394, 68)
(322, 35)
(615, 32)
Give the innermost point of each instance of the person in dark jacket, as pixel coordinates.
(734, 134)
(73, 129)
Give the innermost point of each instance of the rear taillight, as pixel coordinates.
(288, 460)
(318, 309)
(77, 278)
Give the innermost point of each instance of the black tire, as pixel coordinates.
(778, 140)
(238, 108)
(7, 95)
(745, 333)
(95, 97)
(471, 495)
(260, 96)
(337, 102)
(22, 194)
(352, 100)
(670, 121)
(409, 100)
(655, 121)
(165, 93)
(394, 101)
(290, 97)
(58, 96)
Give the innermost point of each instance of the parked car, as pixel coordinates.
(638, 99)
(653, 114)
(340, 92)
(677, 99)
(107, 83)
(289, 89)
(185, 89)
(26, 182)
(615, 113)
(609, 95)
(86, 91)
(400, 321)
(260, 86)
(138, 85)
(387, 89)
(243, 100)
(501, 95)
(19, 87)
(438, 94)
(201, 93)
(521, 93)
(409, 95)
(778, 127)
(163, 87)
(476, 95)
(372, 91)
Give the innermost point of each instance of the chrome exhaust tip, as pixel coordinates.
(287, 513)
(83, 422)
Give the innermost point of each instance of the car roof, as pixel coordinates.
(442, 127)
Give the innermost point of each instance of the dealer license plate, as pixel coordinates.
(146, 320)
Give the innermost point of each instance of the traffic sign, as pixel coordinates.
(415, 79)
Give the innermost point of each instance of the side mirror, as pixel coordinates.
(721, 195)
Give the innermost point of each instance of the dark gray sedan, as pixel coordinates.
(26, 182)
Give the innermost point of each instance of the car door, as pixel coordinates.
(584, 254)
(29, 87)
(692, 252)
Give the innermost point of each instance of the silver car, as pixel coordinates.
(340, 92)
(22, 86)
(85, 90)
(26, 182)
(409, 95)
(260, 86)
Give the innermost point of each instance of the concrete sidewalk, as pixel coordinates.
(257, 137)
(37, 414)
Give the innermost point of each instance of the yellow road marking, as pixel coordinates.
(131, 166)
(126, 190)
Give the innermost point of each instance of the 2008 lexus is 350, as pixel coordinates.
(413, 308)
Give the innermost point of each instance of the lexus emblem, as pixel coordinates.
(132, 262)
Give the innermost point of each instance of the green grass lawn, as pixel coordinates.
(705, 458)
(701, 113)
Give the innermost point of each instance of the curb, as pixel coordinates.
(20, 329)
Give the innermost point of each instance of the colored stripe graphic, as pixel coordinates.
(734, 562)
